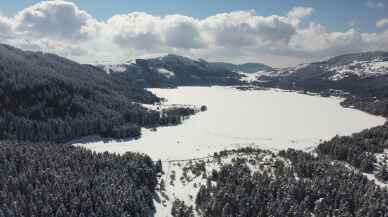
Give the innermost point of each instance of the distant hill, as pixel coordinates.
(362, 75)
(173, 70)
(45, 97)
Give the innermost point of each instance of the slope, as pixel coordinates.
(49, 98)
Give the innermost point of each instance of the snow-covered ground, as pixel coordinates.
(250, 77)
(362, 69)
(115, 68)
(372, 177)
(160, 107)
(268, 119)
(109, 68)
(381, 159)
(185, 184)
(256, 76)
(166, 73)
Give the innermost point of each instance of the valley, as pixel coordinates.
(203, 108)
(173, 136)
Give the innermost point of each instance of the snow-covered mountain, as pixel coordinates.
(172, 70)
(364, 76)
(351, 66)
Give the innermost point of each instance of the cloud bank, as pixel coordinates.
(280, 40)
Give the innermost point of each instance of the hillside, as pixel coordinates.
(254, 182)
(171, 71)
(49, 98)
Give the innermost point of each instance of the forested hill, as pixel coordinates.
(47, 180)
(171, 71)
(45, 97)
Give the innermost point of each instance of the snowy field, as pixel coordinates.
(268, 119)
(185, 184)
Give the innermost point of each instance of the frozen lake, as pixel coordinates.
(269, 119)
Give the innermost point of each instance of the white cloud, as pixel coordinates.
(63, 28)
(375, 5)
(183, 32)
(235, 30)
(382, 23)
(135, 30)
(59, 19)
(242, 29)
(316, 40)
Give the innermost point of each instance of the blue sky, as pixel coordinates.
(337, 15)
(276, 32)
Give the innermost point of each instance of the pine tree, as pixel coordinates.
(383, 173)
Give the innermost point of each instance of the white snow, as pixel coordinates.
(186, 189)
(268, 119)
(250, 77)
(382, 158)
(256, 76)
(131, 62)
(362, 69)
(166, 73)
(372, 177)
(118, 67)
(115, 68)
(160, 107)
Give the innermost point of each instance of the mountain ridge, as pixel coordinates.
(173, 70)
(248, 67)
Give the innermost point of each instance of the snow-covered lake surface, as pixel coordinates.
(268, 119)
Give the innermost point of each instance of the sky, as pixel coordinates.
(279, 33)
